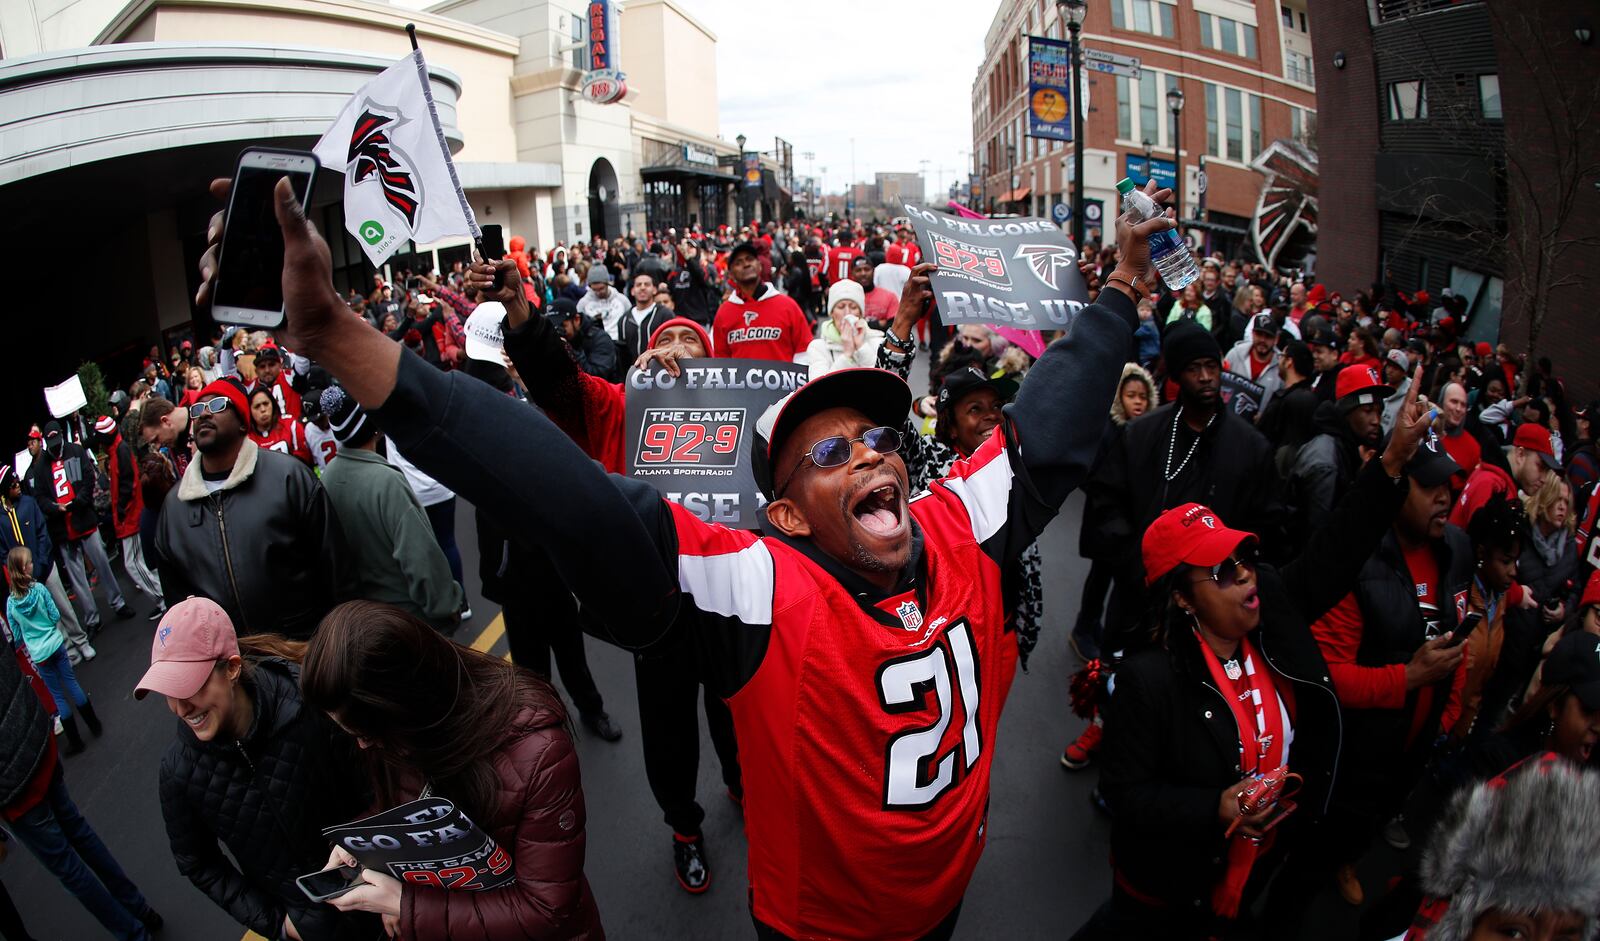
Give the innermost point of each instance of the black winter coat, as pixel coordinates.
(1231, 472)
(265, 547)
(80, 469)
(24, 729)
(1392, 628)
(1171, 746)
(266, 798)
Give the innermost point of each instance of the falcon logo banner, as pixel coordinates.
(374, 158)
(1007, 274)
(399, 184)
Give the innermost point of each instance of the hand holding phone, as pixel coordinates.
(1465, 628)
(330, 883)
(249, 279)
(494, 249)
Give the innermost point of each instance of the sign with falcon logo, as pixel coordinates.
(1008, 274)
(399, 184)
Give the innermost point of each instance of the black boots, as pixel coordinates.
(90, 719)
(69, 725)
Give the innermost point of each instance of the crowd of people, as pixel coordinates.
(1340, 589)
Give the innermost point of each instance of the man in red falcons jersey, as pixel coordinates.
(862, 645)
(756, 322)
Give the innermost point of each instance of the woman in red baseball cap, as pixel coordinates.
(1230, 697)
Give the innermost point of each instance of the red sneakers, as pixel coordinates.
(1080, 754)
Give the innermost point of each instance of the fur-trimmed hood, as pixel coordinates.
(1133, 369)
(1528, 842)
(193, 486)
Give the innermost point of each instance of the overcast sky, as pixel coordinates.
(896, 77)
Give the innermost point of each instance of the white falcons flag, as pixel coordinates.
(399, 184)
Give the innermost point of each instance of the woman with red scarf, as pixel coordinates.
(1232, 689)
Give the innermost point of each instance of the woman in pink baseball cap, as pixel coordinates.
(1232, 692)
(253, 769)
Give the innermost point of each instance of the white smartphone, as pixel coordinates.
(249, 285)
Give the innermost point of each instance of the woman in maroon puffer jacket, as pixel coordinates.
(430, 712)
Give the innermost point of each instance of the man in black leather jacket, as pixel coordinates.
(248, 528)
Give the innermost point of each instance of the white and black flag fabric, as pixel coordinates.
(399, 183)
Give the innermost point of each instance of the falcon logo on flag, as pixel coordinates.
(399, 184)
(1045, 261)
(373, 156)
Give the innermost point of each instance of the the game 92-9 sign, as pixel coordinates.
(689, 435)
(1019, 273)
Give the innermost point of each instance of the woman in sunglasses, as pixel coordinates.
(1232, 698)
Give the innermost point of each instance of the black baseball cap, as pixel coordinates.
(743, 247)
(1321, 337)
(1432, 465)
(1263, 324)
(1575, 663)
(970, 379)
(877, 393)
(561, 310)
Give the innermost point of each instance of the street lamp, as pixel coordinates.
(1011, 180)
(744, 210)
(1074, 11)
(1175, 105)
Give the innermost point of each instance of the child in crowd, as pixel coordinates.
(34, 621)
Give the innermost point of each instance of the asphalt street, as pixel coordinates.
(1045, 869)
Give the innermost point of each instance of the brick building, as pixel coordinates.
(1418, 99)
(1244, 67)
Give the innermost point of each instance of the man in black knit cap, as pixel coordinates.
(1191, 450)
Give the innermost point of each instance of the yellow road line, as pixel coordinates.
(491, 635)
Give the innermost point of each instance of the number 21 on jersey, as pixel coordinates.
(917, 775)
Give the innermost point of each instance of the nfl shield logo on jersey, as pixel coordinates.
(910, 617)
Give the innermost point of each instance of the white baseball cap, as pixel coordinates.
(484, 340)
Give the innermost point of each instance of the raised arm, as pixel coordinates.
(492, 450)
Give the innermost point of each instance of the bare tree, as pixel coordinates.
(1518, 216)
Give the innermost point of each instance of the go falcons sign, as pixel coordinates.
(398, 182)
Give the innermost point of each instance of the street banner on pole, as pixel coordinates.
(399, 183)
(1019, 273)
(689, 435)
(1241, 395)
(1049, 88)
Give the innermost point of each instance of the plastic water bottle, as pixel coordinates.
(1167, 250)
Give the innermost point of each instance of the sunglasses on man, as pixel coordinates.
(835, 450)
(213, 405)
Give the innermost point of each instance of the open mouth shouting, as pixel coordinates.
(881, 509)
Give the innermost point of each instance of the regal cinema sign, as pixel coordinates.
(603, 82)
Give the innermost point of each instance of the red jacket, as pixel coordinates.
(1485, 481)
(540, 821)
(124, 472)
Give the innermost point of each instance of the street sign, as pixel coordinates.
(1092, 210)
(1200, 180)
(1061, 212)
(1110, 63)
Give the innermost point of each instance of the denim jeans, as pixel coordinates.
(59, 678)
(67, 846)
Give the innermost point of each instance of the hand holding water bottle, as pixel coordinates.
(1166, 250)
(1135, 274)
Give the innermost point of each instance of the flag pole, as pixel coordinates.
(444, 147)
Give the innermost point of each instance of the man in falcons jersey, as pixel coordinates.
(862, 645)
(756, 322)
